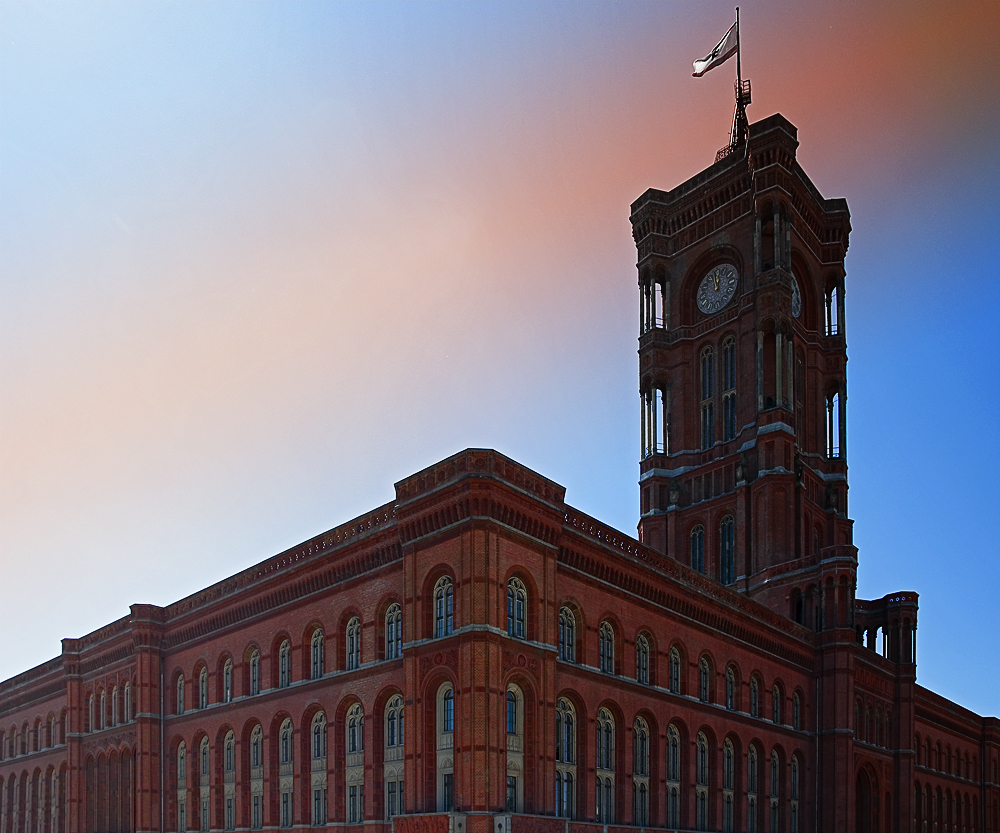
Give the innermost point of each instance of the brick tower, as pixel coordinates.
(742, 378)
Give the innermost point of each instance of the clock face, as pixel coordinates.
(717, 288)
(796, 298)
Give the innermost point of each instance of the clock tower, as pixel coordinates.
(742, 378)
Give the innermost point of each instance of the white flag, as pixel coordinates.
(724, 50)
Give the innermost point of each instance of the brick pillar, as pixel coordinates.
(147, 631)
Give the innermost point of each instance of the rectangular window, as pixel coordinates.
(352, 804)
(449, 792)
(204, 815)
(286, 809)
(230, 817)
(391, 799)
(181, 817)
(256, 812)
(511, 794)
(707, 425)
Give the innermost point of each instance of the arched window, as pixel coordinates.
(517, 600)
(394, 632)
(729, 427)
(254, 673)
(181, 787)
(728, 777)
(796, 711)
(754, 697)
(256, 750)
(640, 747)
(354, 644)
(607, 640)
(776, 704)
(565, 732)
(354, 773)
(794, 805)
(127, 714)
(227, 682)
(515, 749)
(355, 729)
(640, 773)
(752, 790)
(707, 395)
(642, 660)
(673, 777)
(393, 756)
(319, 737)
(674, 677)
(567, 635)
(102, 720)
(605, 767)
(229, 754)
(727, 550)
(775, 792)
(180, 694)
(445, 747)
(203, 688)
(317, 655)
(730, 689)
(181, 766)
(704, 679)
(285, 748)
(444, 607)
(698, 548)
(114, 705)
(285, 664)
(701, 782)
(204, 772)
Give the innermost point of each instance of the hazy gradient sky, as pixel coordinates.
(258, 261)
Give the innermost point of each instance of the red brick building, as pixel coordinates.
(477, 655)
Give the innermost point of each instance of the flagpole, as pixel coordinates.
(739, 71)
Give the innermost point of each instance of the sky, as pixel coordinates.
(259, 261)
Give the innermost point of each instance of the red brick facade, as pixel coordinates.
(550, 674)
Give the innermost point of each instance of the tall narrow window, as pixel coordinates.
(752, 790)
(776, 705)
(354, 773)
(605, 766)
(728, 767)
(754, 697)
(317, 655)
(642, 660)
(565, 758)
(445, 748)
(254, 673)
(227, 682)
(796, 711)
(698, 548)
(775, 792)
(640, 773)
(114, 703)
(729, 388)
(794, 806)
(443, 607)
(394, 632)
(704, 679)
(516, 601)
(567, 635)
(180, 694)
(673, 777)
(285, 664)
(707, 395)
(511, 717)
(393, 757)
(607, 646)
(730, 689)
(229, 754)
(203, 688)
(727, 556)
(833, 425)
(832, 313)
(256, 777)
(448, 721)
(285, 750)
(319, 737)
(674, 675)
(354, 644)
(701, 782)
(128, 707)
